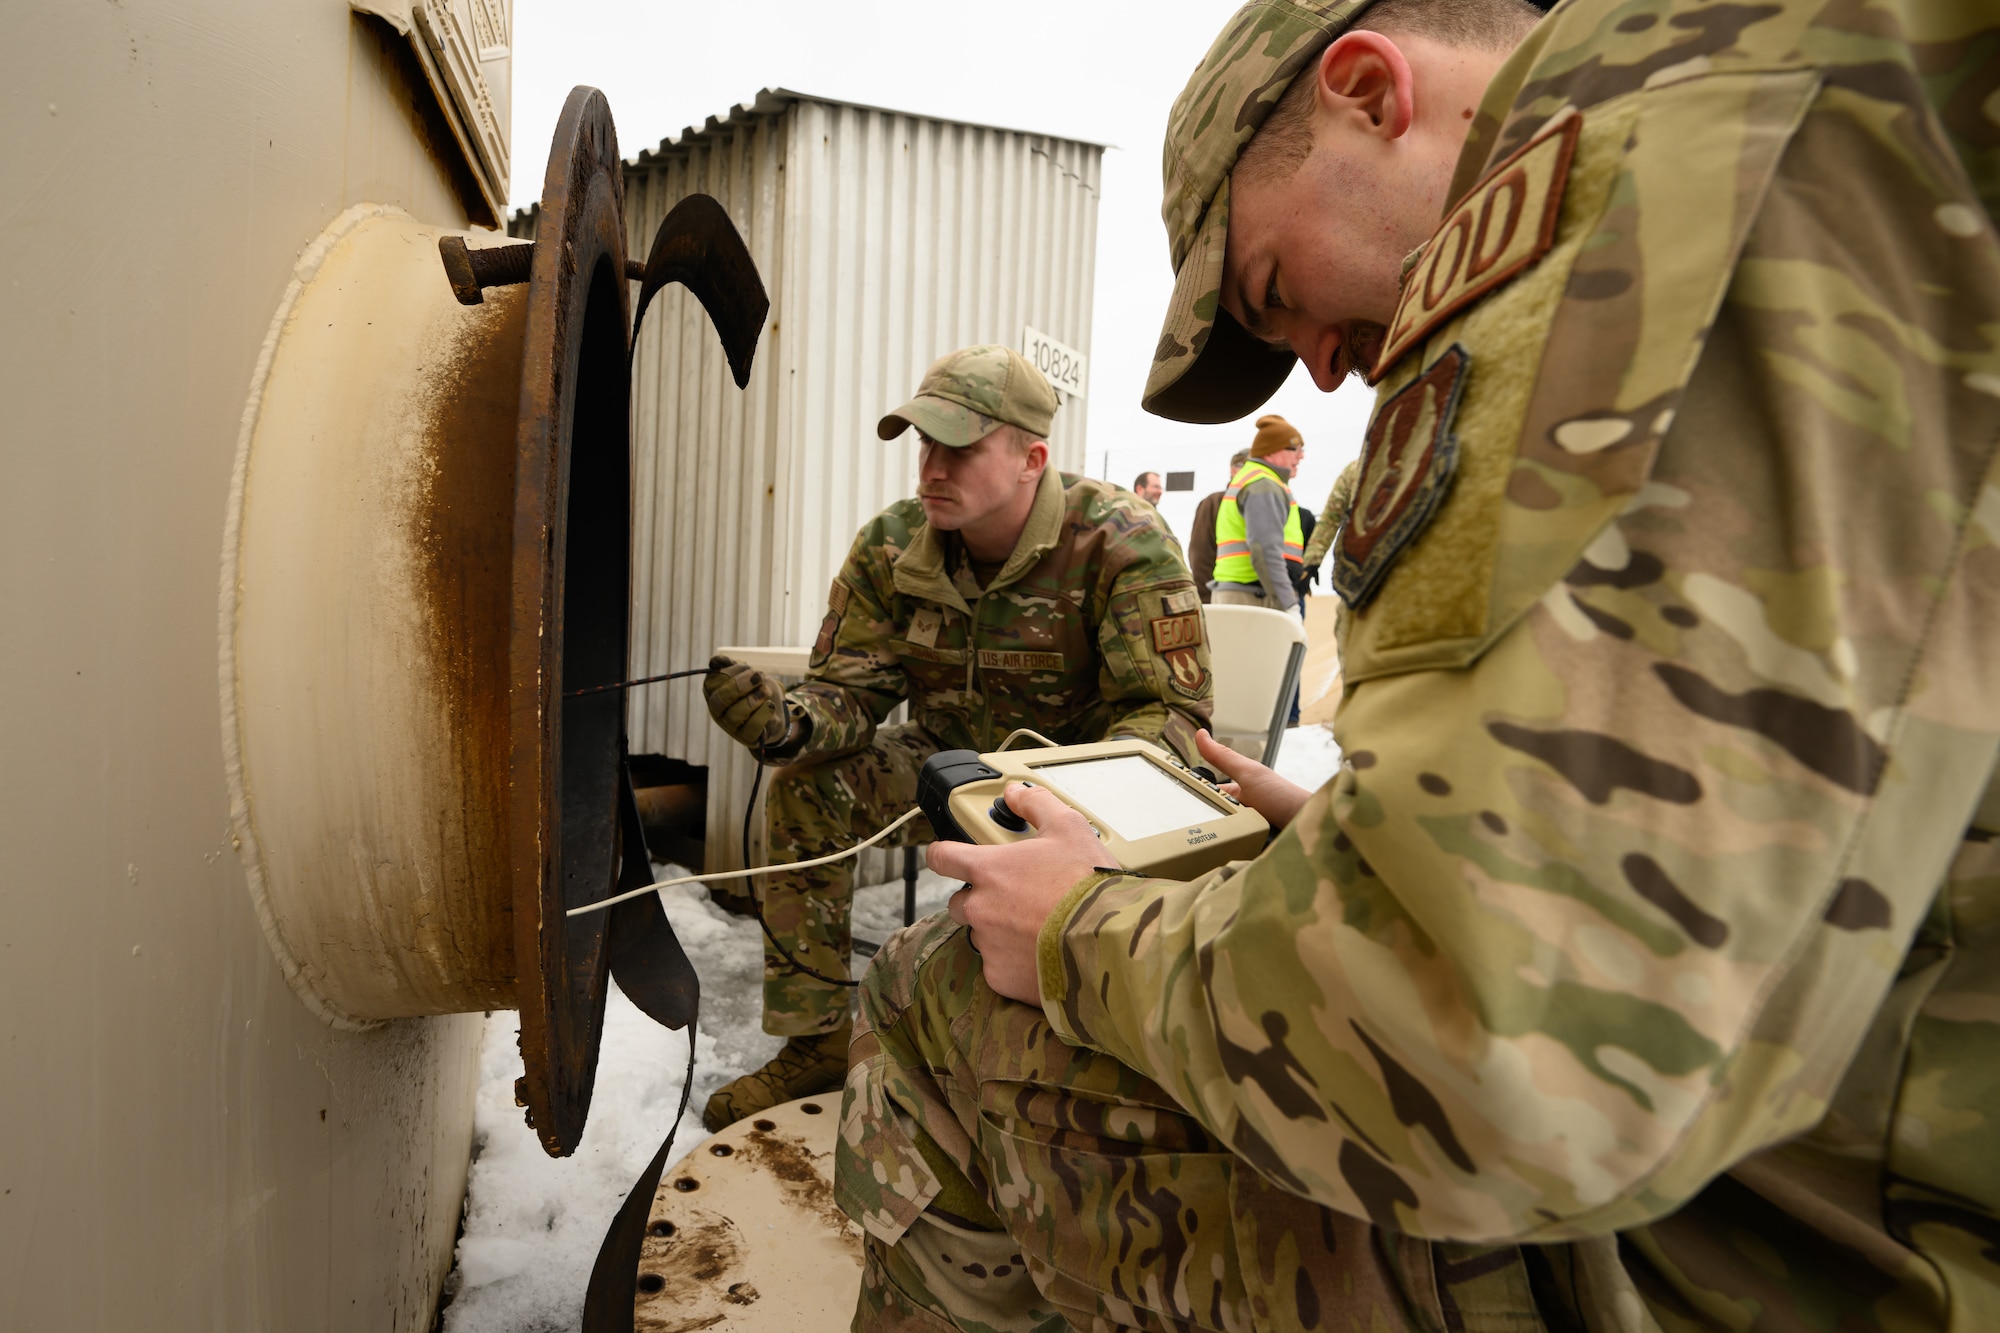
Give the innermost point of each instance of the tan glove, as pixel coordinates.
(746, 703)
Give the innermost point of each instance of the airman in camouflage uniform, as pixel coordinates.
(1338, 501)
(1640, 969)
(1090, 629)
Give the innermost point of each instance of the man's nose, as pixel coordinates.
(1319, 347)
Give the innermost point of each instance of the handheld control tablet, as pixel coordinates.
(1155, 815)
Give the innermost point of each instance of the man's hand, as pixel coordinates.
(745, 703)
(1011, 889)
(1276, 798)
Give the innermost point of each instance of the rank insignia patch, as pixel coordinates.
(925, 624)
(1407, 463)
(1505, 224)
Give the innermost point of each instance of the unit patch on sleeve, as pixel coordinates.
(1505, 224)
(1407, 462)
(1185, 673)
(836, 607)
(823, 645)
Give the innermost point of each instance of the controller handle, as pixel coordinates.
(942, 772)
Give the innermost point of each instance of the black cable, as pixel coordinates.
(749, 810)
(628, 684)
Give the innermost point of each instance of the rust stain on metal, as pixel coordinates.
(794, 1165)
(707, 1252)
(761, 1244)
(464, 521)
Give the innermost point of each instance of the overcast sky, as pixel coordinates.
(1086, 69)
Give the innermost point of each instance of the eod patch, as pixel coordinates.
(1177, 639)
(1171, 632)
(1503, 225)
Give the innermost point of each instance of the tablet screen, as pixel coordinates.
(1130, 795)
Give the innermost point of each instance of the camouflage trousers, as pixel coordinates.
(812, 810)
(1007, 1180)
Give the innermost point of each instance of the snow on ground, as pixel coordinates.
(533, 1223)
(1308, 756)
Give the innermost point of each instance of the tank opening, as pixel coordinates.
(673, 807)
(594, 602)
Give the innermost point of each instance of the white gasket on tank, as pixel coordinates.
(229, 607)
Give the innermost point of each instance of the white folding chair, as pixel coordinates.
(1255, 654)
(779, 661)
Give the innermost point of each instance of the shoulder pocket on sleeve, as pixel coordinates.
(1572, 366)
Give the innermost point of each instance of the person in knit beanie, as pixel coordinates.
(1259, 541)
(1274, 436)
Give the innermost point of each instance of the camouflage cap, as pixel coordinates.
(966, 394)
(1206, 367)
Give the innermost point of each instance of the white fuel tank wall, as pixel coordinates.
(885, 239)
(186, 1147)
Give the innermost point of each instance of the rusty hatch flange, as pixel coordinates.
(570, 615)
(570, 607)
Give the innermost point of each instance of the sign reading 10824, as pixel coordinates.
(1066, 367)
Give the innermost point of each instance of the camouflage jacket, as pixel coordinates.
(1651, 928)
(1338, 501)
(1091, 629)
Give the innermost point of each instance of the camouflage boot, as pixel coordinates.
(805, 1066)
(736, 902)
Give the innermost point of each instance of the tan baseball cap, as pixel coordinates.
(1206, 367)
(966, 394)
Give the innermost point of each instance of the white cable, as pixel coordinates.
(615, 899)
(1019, 732)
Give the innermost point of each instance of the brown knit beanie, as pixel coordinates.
(1274, 434)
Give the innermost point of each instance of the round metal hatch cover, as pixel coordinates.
(744, 1233)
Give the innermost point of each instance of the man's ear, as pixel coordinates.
(1365, 79)
(1035, 461)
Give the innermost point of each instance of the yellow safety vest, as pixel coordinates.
(1232, 544)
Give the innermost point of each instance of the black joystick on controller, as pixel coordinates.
(1003, 814)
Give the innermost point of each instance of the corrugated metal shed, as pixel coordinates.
(885, 239)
